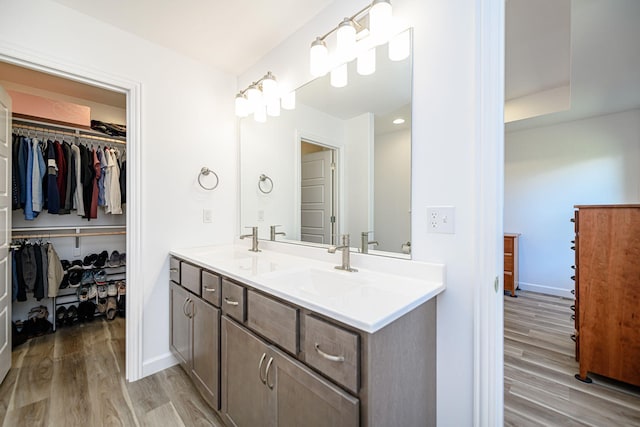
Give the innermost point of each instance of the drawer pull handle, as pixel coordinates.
(328, 356)
(264, 356)
(573, 337)
(266, 373)
(209, 289)
(173, 270)
(230, 302)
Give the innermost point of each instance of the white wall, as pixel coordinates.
(392, 200)
(187, 122)
(444, 166)
(550, 169)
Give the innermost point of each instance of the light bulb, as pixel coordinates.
(269, 87)
(380, 17)
(400, 46)
(318, 56)
(273, 107)
(289, 100)
(260, 114)
(346, 40)
(339, 76)
(367, 62)
(242, 107)
(254, 95)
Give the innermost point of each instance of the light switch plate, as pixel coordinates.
(441, 219)
(207, 216)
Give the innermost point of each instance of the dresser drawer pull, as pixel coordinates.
(573, 291)
(327, 356)
(573, 307)
(173, 270)
(230, 302)
(573, 277)
(209, 289)
(573, 337)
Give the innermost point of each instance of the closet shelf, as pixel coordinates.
(77, 232)
(43, 127)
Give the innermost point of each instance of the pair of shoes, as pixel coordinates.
(75, 277)
(102, 305)
(100, 277)
(87, 277)
(89, 260)
(86, 311)
(61, 315)
(112, 308)
(102, 291)
(71, 315)
(39, 312)
(112, 289)
(114, 259)
(101, 262)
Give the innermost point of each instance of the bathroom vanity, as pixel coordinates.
(274, 339)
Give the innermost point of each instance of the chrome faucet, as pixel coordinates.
(274, 234)
(346, 264)
(254, 238)
(365, 242)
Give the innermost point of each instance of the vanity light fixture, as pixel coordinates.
(263, 97)
(357, 37)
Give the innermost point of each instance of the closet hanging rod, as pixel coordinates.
(65, 130)
(70, 228)
(54, 235)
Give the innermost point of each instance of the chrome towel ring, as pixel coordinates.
(205, 171)
(262, 182)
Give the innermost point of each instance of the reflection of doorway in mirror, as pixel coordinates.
(317, 193)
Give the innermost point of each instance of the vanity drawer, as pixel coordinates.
(333, 351)
(233, 300)
(211, 287)
(274, 320)
(190, 277)
(174, 269)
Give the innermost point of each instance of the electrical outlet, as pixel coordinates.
(207, 216)
(260, 215)
(441, 219)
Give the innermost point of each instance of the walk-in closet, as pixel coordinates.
(68, 206)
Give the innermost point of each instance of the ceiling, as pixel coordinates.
(203, 29)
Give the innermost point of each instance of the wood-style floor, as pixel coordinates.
(75, 377)
(539, 356)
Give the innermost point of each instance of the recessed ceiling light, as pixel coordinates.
(398, 121)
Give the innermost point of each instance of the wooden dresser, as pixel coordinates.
(511, 262)
(607, 291)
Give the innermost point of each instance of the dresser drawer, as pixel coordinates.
(211, 287)
(333, 351)
(190, 277)
(233, 300)
(508, 262)
(508, 245)
(174, 269)
(274, 320)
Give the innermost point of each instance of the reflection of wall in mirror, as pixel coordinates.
(392, 197)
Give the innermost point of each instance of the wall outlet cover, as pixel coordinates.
(441, 219)
(207, 216)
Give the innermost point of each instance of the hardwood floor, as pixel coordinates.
(75, 377)
(539, 364)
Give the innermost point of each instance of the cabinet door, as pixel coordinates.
(303, 398)
(245, 397)
(180, 326)
(206, 338)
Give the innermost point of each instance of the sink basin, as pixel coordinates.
(316, 282)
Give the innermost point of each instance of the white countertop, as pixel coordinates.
(367, 300)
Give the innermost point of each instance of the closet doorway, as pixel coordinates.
(93, 247)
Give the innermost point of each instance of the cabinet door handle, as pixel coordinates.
(266, 373)
(193, 308)
(209, 289)
(173, 270)
(264, 356)
(184, 306)
(230, 301)
(328, 356)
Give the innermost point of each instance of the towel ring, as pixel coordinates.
(205, 171)
(264, 178)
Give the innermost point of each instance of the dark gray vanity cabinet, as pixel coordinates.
(195, 336)
(264, 386)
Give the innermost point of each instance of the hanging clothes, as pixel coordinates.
(15, 175)
(96, 176)
(38, 174)
(36, 268)
(61, 179)
(52, 188)
(70, 181)
(78, 197)
(28, 205)
(115, 205)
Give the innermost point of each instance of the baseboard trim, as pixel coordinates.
(549, 290)
(157, 364)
